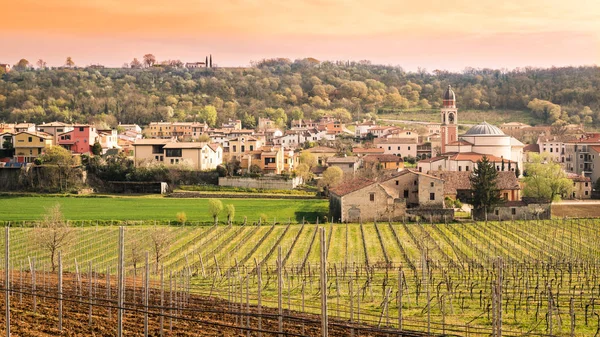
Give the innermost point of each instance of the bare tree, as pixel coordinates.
(136, 64)
(41, 64)
(53, 233)
(136, 255)
(160, 243)
(149, 60)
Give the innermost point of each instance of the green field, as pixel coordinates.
(20, 208)
(543, 260)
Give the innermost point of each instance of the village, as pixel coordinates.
(388, 172)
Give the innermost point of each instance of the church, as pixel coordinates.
(461, 153)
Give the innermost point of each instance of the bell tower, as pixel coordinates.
(449, 115)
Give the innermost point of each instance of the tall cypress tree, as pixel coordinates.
(210, 61)
(484, 188)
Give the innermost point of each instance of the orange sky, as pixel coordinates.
(448, 34)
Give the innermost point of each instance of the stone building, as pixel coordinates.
(405, 194)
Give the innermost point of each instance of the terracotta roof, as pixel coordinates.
(37, 134)
(459, 180)
(362, 150)
(578, 178)
(353, 185)
(185, 145)
(459, 142)
(54, 124)
(322, 149)
(383, 158)
(474, 157)
(152, 141)
(408, 171)
(214, 146)
(532, 148)
(395, 141)
(433, 159)
(342, 160)
(595, 148)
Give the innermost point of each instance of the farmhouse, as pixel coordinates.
(457, 185)
(407, 193)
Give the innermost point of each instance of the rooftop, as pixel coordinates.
(484, 129)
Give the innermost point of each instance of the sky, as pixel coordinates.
(431, 34)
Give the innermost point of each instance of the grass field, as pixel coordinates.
(20, 208)
(540, 258)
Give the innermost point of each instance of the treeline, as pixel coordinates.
(286, 90)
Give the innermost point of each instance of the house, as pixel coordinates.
(403, 147)
(464, 161)
(595, 157)
(348, 165)
(232, 124)
(6, 140)
(7, 127)
(322, 153)
(194, 65)
(161, 129)
(241, 145)
(582, 186)
(457, 185)
(363, 151)
(108, 139)
(147, 151)
(25, 127)
(269, 135)
(270, 160)
(362, 129)
(528, 150)
(55, 129)
(29, 145)
(80, 139)
(195, 155)
(406, 193)
(383, 162)
(578, 159)
(130, 127)
(265, 123)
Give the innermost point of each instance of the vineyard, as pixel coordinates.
(512, 278)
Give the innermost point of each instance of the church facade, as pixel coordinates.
(461, 153)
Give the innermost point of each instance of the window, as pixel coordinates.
(157, 149)
(460, 168)
(234, 148)
(389, 148)
(81, 129)
(415, 183)
(397, 182)
(586, 184)
(172, 161)
(350, 165)
(173, 153)
(551, 150)
(587, 192)
(405, 194)
(243, 148)
(409, 147)
(155, 157)
(431, 196)
(505, 196)
(431, 184)
(496, 211)
(30, 139)
(513, 211)
(398, 148)
(466, 168)
(372, 196)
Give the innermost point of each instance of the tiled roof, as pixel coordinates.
(361, 150)
(459, 180)
(595, 148)
(383, 158)
(152, 141)
(532, 148)
(353, 185)
(474, 157)
(578, 178)
(395, 141)
(322, 149)
(342, 160)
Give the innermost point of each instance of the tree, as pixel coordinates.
(331, 178)
(41, 64)
(308, 159)
(149, 60)
(209, 115)
(484, 190)
(230, 213)
(69, 62)
(215, 207)
(161, 239)
(545, 179)
(136, 256)
(96, 149)
(63, 160)
(181, 217)
(53, 233)
(135, 64)
(303, 171)
(23, 64)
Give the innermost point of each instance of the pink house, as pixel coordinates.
(80, 139)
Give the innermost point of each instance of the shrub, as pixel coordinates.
(181, 218)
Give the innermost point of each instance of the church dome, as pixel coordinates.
(449, 94)
(484, 129)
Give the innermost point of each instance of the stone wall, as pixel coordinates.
(265, 183)
(358, 206)
(542, 211)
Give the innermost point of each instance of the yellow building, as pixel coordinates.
(243, 145)
(29, 145)
(159, 130)
(268, 159)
